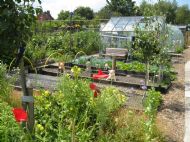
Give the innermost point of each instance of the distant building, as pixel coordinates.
(45, 16)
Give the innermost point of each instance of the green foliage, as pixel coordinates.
(129, 128)
(146, 8)
(85, 12)
(73, 113)
(76, 71)
(5, 86)
(124, 7)
(147, 39)
(167, 9)
(104, 13)
(36, 48)
(17, 18)
(63, 15)
(10, 131)
(68, 43)
(134, 66)
(109, 100)
(182, 15)
(179, 50)
(152, 102)
(174, 13)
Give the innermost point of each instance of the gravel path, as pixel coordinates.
(171, 117)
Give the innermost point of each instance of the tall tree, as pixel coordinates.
(146, 9)
(106, 13)
(125, 7)
(16, 19)
(167, 9)
(183, 15)
(63, 15)
(85, 12)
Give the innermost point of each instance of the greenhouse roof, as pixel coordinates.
(121, 23)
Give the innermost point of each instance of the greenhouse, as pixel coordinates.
(175, 38)
(119, 32)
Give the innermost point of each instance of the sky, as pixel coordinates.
(55, 6)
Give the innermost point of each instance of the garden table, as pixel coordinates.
(114, 56)
(116, 53)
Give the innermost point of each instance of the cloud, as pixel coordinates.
(55, 6)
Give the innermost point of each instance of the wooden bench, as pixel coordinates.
(116, 53)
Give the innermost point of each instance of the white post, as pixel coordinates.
(187, 102)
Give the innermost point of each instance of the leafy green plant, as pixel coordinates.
(76, 71)
(179, 50)
(129, 127)
(152, 102)
(5, 84)
(72, 113)
(70, 43)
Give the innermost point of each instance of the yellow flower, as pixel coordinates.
(46, 92)
(40, 127)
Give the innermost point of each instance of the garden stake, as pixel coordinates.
(27, 102)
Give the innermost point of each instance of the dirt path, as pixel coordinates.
(171, 117)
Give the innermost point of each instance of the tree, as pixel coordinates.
(124, 7)
(146, 9)
(63, 15)
(16, 19)
(85, 12)
(167, 9)
(173, 13)
(104, 13)
(147, 41)
(183, 15)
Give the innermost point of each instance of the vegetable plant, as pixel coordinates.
(152, 102)
(72, 113)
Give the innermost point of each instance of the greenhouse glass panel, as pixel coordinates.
(119, 31)
(111, 24)
(175, 38)
(123, 21)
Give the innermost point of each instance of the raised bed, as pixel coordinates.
(123, 79)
